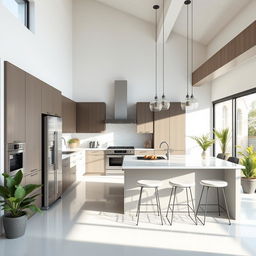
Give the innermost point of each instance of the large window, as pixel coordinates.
(238, 113)
(19, 8)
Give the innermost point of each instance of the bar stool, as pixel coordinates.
(234, 160)
(221, 156)
(187, 186)
(153, 184)
(213, 184)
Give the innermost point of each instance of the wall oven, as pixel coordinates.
(15, 157)
(115, 157)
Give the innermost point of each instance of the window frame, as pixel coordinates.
(27, 12)
(233, 98)
(26, 4)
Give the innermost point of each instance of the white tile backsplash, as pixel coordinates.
(115, 135)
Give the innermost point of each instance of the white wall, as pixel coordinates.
(110, 45)
(46, 53)
(242, 77)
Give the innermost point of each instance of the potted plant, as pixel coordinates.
(204, 143)
(248, 160)
(73, 143)
(223, 136)
(15, 202)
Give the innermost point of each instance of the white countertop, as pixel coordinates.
(179, 162)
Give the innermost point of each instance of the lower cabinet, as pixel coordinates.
(73, 167)
(66, 176)
(34, 177)
(95, 162)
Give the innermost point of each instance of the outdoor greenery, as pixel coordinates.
(248, 160)
(16, 200)
(252, 122)
(223, 136)
(203, 141)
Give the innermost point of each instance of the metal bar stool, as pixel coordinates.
(154, 184)
(221, 156)
(187, 187)
(218, 184)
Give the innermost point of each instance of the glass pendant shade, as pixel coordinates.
(186, 105)
(194, 102)
(156, 105)
(165, 103)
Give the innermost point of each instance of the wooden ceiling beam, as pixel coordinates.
(237, 51)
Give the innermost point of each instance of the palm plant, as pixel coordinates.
(248, 160)
(223, 137)
(203, 141)
(16, 200)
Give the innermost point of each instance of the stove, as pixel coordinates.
(115, 156)
(120, 150)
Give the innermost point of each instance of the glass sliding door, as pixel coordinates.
(223, 119)
(246, 121)
(238, 113)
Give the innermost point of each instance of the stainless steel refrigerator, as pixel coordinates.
(52, 160)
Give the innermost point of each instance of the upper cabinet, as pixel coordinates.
(68, 115)
(15, 103)
(51, 101)
(90, 117)
(33, 124)
(169, 126)
(144, 117)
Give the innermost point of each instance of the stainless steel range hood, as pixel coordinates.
(120, 105)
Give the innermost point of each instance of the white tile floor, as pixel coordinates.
(88, 221)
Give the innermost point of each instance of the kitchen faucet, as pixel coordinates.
(65, 142)
(168, 152)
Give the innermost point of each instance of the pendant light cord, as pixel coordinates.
(156, 54)
(187, 50)
(192, 45)
(163, 52)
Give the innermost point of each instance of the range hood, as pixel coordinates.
(120, 104)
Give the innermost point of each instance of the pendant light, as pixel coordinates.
(165, 103)
(156, 104)
(193, 100)
(187, 103)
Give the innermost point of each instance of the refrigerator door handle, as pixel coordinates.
(56, 162)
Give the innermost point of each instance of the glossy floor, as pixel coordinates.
(88, 220)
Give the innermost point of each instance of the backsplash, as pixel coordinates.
(115, 135)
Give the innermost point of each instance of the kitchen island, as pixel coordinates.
(182, 168)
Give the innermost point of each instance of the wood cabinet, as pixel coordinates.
(51, 100)
(161, 127)
(169, 126)
(33, 124)
(68, 115)
(15, 103)
(90, 117)
(34, 177)
(65, 174)
(177, 129)
(144, 117)
(95, 162)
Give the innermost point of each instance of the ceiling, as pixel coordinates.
(141, 9)
(210, 17)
